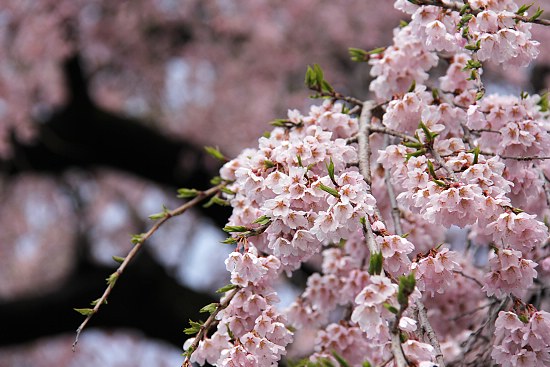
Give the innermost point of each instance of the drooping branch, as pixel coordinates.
(138, 243)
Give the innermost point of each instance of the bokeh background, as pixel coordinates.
(104, 109)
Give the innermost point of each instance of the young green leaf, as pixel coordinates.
(263, 220)
(341, 360)
(118, 259)
(358, 55)
(137, 238)
(543, 103)
(230, 229)
(330, 190)
(390, 308)
(229, 241)
(96, 301)
(215, 200)
(214, 152)
(412, 87)
(537, 15)
(84, 311)
(330, 169)
(375, 263)
(431, 169)
(184, 193)
(405, 289)
(522, 9)
(226, 288)
(194, 327)
(111, 280)
(210, 308)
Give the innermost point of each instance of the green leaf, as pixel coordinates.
(403, 23)
(476, 154)
(216, 180)
(215, 200)
(375, 263)
(524, 95)
(418, 153)
(263, 220)
(330, 170)
(412, 87)
(188, 352)
(268, 164)
(358, 55)
(325, 362)
(522, 9)
(466, 32)
(225, 190)
(226, 288)
(118, 259)
(214, 152)
(330, 190)
(465, 19)
(96, 301)
(299, 161)
(230, 229)
(473, 47)
(366, 364)
(137, 238)
(523, 318)
(210, 308)
(431, 169)
(229, 241)
(543, 102)
(537, 14)
(472, 64)
(310, 79)
(464, 9)
(341, 360)
(326, 87)
(194, 327)
(480, 94)
(280, 122)
(405, 289)
(390, 308)
(84, 311)
(319, 75)
(184, 193)
(435, 93)
(165, 213)
(412, 144)
(111, 280)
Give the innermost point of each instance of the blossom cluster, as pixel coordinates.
(510, 274)
(443, 157)
(523, 340)
(287, 179)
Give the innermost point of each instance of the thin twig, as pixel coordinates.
(388, 131)
(468, 277)
(137, 246)
(546, 187)
(472, 311)
(395, 212)
(432, 337)
(363, 141)
(397, 351)
(207, 325)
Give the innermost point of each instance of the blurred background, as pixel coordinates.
(104, 109)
